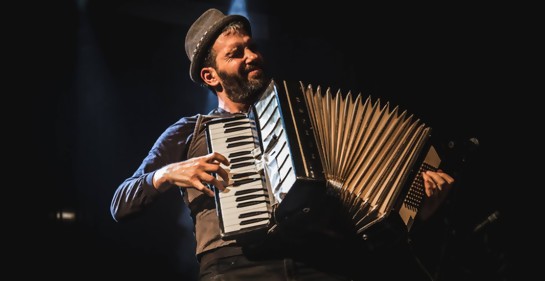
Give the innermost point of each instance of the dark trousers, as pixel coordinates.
(395, 264)
(319, 255)
(240, 268)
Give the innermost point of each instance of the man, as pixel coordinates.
(225, 59)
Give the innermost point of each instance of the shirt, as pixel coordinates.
(180, 141)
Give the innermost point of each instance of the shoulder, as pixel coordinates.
(178, 132)
(182, 126)
(185, 126)
(186, 121)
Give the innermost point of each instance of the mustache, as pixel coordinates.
(253, 67)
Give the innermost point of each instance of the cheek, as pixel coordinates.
(231, 69)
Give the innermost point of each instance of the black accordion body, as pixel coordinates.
(297, 140)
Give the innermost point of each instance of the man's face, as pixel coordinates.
(240, 67)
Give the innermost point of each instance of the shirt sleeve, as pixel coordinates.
(136, 192)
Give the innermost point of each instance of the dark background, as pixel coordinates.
(110, 76)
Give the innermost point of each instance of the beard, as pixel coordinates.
(241, 89)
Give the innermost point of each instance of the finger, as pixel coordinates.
(223, 174)
(450, 180)
(442, 180)
(441, 176)
(213, 181)
(215, 156)
(429, 184)
(437, 179)
(219, 185)
(210, 167)
(200, 186)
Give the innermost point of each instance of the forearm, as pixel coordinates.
(137, 192)
(132, 196)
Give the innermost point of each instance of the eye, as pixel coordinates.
(238, 53)
(234, 53)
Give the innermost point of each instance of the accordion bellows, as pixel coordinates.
(297, 138)
(369, 150)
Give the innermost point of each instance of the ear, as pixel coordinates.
(209, 76)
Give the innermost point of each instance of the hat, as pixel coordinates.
(202, 34)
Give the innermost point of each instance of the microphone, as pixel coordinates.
(490, 219)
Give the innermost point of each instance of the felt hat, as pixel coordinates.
(202, 34)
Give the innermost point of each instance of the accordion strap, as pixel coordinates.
(193, 150)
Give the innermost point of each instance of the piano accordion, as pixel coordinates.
(297, 140)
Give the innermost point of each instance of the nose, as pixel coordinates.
(251, 55)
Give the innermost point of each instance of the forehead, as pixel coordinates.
(231, 40)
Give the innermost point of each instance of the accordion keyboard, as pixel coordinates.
(245, 203)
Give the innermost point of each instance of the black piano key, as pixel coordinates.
(232, 124)
(243, 175)
(277, 123)
(250, 197)
(240, 165)
(282, 180)
(245, 181)
(270, 118)
(240, 159)
(283, 162)
(232, 139)
(269, 102)
(239, 153)
(272, 143)
(250, 190)
(251, 214)
(241, 143)
(251, 203)
(244, 222)
(234, 129)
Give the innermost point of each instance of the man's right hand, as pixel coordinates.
(194, 172)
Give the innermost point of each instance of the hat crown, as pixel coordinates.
(201, 35)
(199, 28)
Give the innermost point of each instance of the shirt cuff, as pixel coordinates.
(149, 181)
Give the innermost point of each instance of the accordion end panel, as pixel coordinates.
(415, 195)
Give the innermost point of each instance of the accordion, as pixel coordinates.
(297, 140)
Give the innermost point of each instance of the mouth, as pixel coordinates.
(255, 72)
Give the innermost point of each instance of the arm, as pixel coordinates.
(165, 167)
(138, 191)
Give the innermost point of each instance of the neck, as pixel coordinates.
(233, 107)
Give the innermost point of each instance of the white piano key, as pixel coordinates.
(231, 215)
(286, 183)
(262, 104)
(236, 216)
(271, 126)
(239, 227)
(285, 164)
(222, 149)
(227, 126)
(229, 202)
(237, 224)
(232, 190)
(220, 135)
(264, 206)
(269, 116)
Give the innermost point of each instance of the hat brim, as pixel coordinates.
(208, 39)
